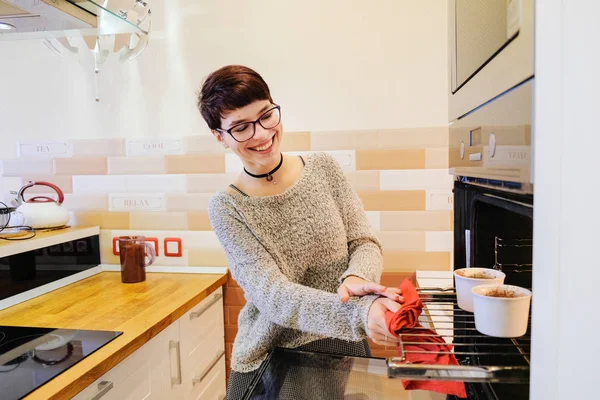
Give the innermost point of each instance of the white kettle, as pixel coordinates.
(42, 212)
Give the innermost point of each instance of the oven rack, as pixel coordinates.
(457, 327)
(503, 243)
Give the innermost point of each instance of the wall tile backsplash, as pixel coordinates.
(161, 188)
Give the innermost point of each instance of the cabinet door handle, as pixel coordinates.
(174, 344)
(201, 311)
(103, 388)
(214, 362)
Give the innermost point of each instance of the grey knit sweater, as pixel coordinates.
(289, 253)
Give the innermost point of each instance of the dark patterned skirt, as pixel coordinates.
(306, 384)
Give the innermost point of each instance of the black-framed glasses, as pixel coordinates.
(246, 130)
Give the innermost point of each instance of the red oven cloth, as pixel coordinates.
(405, 322)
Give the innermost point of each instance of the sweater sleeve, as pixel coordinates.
(280, 300)
(364, 249)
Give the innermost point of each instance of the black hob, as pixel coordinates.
(30, 357)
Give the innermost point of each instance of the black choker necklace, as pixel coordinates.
(268, 175)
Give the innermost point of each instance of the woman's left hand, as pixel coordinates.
(355, 286)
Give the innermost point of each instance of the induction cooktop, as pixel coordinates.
(30, 357)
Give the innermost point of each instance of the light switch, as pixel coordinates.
(115, 246)
(173, 247)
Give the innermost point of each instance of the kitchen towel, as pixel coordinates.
(425, 342)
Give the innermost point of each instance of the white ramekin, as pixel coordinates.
(464, 284)
(501, 316)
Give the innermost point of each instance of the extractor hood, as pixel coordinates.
(38, 19)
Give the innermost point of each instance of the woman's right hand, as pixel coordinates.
(376, 325)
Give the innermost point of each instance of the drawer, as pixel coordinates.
(207, 384)
(200, 356)
(201, 319)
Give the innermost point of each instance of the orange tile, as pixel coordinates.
(416, 221)
(196, 164)
(234, 313)
(198, 221)
(207, 257)
(390, 159)
(413, 138)
(175, 221)
(394, 279)
(80, 166)
(296, 141)
(136, 165)
(393, 200)
(233, 296)
(65, 183)
(436, 158)
(402, 241)
(343, 140)
(363, 180)
(415, 260)
(105, 220)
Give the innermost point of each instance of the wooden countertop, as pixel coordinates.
(139, 310)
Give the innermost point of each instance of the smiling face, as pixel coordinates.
(261, 153)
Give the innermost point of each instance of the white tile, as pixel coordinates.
(188, 201)
(233, 163)
(44, 149)
(99, 183)
(9, 183)
(86, 202)
(439, 241)
(155, 183)
(22, 167)
(439, 199)
(419, 179)
(346, 158)
(159, 146)
(137, 201)
(374, 218)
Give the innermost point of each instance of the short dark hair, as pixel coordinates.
(227, 89)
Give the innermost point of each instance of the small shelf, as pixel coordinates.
(45, 239)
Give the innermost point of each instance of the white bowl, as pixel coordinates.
(464, 284)
(501, 316)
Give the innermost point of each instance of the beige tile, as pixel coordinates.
(20, 167)
(65, 183)
(416, 179)
(440, 199)
(99, 147)
(188, 201)
(413, 138)
(207, 257)
(80, 166)
(416, 220)
(105, 220)
(209, 183)
(158, 220)
(196, 164)
(415, 260)
(202, 144)
(390, 159)
(296, 141)
(391, 200)
(439, 241)
(198, 221)
(90, 202)
(402, 241)
(344, 140)
(363, 180)
(374, 218)
(436, 158)
(137, 165)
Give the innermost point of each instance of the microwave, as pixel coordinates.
(491, 51)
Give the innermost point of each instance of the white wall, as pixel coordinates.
(332, 65)
(566, 317)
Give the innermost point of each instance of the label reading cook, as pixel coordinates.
(154, 147)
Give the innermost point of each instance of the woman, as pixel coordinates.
(294, 233)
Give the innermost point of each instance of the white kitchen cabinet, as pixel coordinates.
(185, 360)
